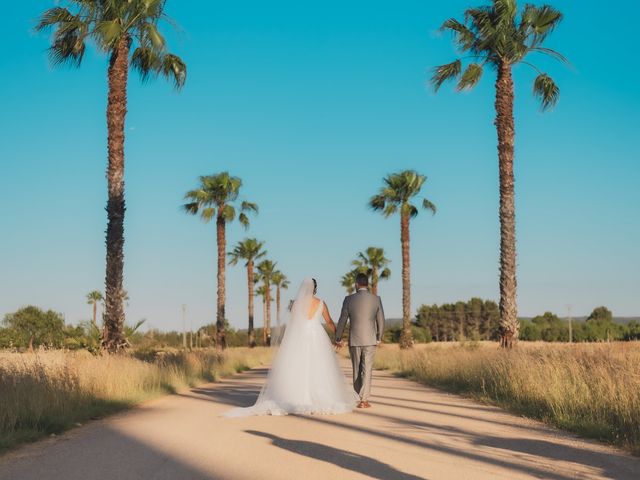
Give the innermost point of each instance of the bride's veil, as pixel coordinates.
(297, 312)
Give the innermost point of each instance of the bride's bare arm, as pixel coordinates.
(327, 318)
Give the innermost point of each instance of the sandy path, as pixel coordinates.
(412, 432)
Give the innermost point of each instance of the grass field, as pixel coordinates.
(590, 389)
(50, 391)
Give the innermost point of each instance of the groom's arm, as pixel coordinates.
(344, 315)
(380, 321)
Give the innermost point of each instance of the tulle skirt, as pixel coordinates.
(305, 377)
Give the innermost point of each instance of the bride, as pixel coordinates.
(305, 376)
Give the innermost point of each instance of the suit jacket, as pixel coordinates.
(364, 311)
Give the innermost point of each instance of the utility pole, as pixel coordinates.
(184, 326)
(570, 323)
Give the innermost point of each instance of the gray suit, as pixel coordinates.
(365, 312)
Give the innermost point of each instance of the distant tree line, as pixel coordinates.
(479, 319)
(31, 327)
(475, 319)
(599, 326)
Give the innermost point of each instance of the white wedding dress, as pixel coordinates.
(305, 377)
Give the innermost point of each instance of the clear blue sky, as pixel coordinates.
(312, 103)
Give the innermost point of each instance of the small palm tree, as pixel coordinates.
(216, 197)
(396, 196)
(495, 36)
(248, 250)
(348, 281)
(266, 271)
(93, 298)
(281, 282)
(117, 28)
(373, 262)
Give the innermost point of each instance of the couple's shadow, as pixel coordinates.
(245, 393)
(341, 458)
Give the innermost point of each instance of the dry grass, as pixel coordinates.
(590, 389)
(48, 392)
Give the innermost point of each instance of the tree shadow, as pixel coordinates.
(347, 460)
(481, 408)
(601, 461)
(458, 415)
(98, 453)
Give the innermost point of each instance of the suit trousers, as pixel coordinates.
(362, 362)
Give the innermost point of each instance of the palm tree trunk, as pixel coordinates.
(374, 281)
(406, 339)
(95, 312)
(278, 307)
(251, 333)
(506, 138)
(113, 335)
(264, 320)
(268, 320)
(221, 342)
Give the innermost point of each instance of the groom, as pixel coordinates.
(365, 312)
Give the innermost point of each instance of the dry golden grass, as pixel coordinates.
(49, 391)
(590, 389)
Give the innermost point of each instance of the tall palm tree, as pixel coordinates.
(348, 281)
(128, 33)
(248, 250)
(395, 196)
(281, 282)
(266, 271)
(93, 298)
(497, 37)
(217, 197)
(373, 262)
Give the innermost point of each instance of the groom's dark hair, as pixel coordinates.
(362, 280)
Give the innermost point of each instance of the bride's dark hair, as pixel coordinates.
(315, 286)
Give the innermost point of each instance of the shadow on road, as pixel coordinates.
(347, 460)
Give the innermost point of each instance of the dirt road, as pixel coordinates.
(412, 432)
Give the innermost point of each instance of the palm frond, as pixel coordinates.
(445, 72)
(228, 213)
(470, 77)
(152, 35)
(428, 205)
(410, 209)
(505, 10)
(546, 90)
(377, 202)
(244, 220)
(389, 210)
(108, 32)
(191, 207)
(482, 21)
(145, 61)
(552, 53)
(539, 22)
(173, 67)
(208, 214)
(55, 16)
(249, 207)
(464, 37)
